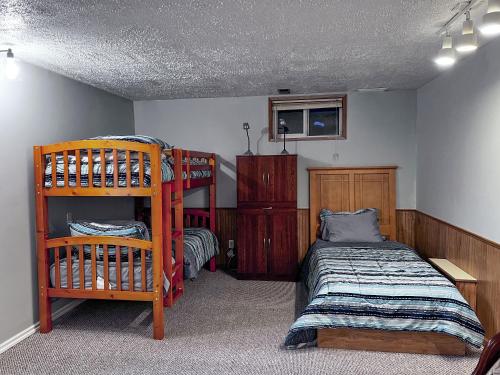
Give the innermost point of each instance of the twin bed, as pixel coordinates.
(120, 260)
(378, 295)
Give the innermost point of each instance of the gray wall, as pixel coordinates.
(381, 131)
(41, 108)
(458, 141)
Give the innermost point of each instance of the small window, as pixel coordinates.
(307, 118)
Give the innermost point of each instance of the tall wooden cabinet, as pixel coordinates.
(267, 217)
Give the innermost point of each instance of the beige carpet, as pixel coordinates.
(220, 326)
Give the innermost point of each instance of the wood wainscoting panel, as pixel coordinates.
(225, 225)
(405, 224)
(477, 256)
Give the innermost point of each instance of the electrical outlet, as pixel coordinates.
(231, 244)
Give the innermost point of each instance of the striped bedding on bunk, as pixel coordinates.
(167, 170)
(166, 165)
(384, 286)
(87, 267)
(115, 228)
(136, 138)
(200, 245)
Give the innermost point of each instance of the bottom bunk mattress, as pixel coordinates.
(381, 286)
(75, 265)
(200, 245)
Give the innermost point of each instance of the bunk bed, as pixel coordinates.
(130, 268)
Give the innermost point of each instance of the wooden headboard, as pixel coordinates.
(351, 189)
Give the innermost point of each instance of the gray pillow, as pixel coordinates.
(359, 226)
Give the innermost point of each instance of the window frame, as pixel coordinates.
(307, 101)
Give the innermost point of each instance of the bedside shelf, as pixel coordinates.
(465, 283)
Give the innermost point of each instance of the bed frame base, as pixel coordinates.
(390, 341)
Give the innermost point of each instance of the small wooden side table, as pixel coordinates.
(465, 283)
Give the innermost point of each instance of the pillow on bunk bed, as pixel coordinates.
(136, 138)
(359, 226)
(116, 228)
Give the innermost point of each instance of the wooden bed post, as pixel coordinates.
(156, 225)
(44, 305)
(212, 205)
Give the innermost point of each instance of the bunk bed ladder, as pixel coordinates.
(175, 232)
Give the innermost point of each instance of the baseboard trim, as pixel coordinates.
(17, 338)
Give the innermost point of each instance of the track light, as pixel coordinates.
(491, 20)
(11, 70)
(446, 55)
(467, 42)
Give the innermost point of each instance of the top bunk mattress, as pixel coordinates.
(167, 170)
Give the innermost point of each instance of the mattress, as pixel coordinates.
(200, 245)
(382, 286)
(167, 170)
(75, 263)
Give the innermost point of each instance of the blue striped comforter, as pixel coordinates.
(200, 244)
(379, 286)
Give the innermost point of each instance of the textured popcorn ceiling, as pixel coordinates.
(176, 49)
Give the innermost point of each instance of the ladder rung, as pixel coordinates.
(176, 234)
(176, 202)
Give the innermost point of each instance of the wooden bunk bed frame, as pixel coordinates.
(350, 189)
(167, 219)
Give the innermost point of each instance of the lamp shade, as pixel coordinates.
(446, 56)
(491, 20)
(467, 42)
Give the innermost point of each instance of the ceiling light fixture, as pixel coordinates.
(491, 20)
(446, 55)
(467, 42)
(373, 89)
(11, 70)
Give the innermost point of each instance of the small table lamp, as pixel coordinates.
(246, 127)
(285, 130)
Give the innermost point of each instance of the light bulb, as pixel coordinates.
(491, 20)
(467, 42)
(446, 55)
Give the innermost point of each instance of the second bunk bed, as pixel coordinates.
(111, 265)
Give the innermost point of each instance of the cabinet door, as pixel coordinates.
(262, 169)
(282, 185)
(282, 243)
(251, 179)
(251, 244)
